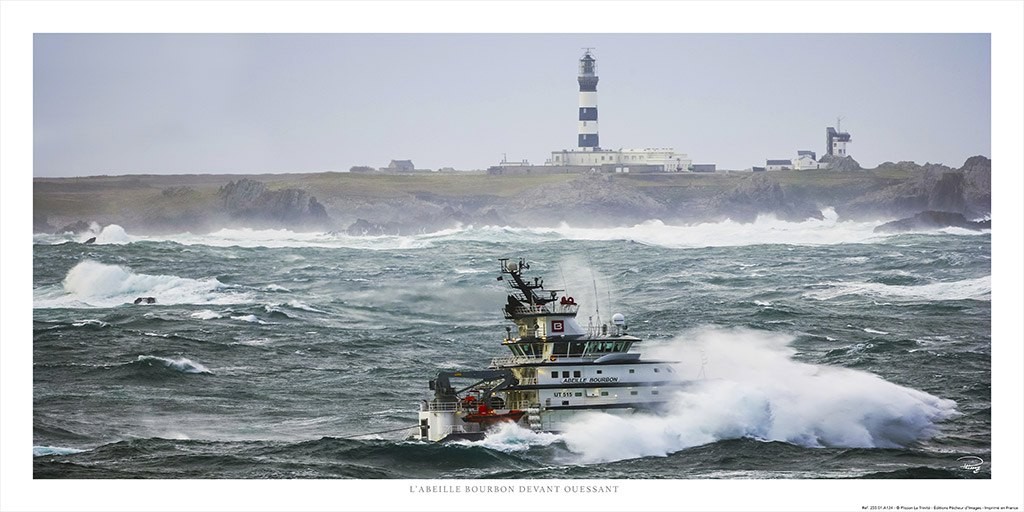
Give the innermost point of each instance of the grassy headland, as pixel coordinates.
(198, 202)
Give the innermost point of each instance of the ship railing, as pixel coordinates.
(529, 381)
(514, 360)
(441, 406)
(526, 310)
(436, 406)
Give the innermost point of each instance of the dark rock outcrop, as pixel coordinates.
(762, 194)
(251, 200)
(588, 200)
(934, 187)
(840, 163)
(977, 185)
(929, 220)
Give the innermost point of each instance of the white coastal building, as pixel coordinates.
(666, 158)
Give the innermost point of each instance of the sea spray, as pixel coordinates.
(93, 284)
(755, 388)
(113, 234)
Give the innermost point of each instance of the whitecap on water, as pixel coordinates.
(94, 284)
(755, 389)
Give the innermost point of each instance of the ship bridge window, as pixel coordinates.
(576, 348)
(561, 348)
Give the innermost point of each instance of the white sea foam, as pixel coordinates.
(297, 304)
(979, 288)
(91, 322)
(249, 318)
(42, 451)
(113, 234)
(766, 229)
(508, 437)
(180, 364)
(206, 314)
(93, 284)
(752, 387)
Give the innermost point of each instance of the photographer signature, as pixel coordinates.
(971, 463)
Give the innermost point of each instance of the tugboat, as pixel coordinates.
(558, 369)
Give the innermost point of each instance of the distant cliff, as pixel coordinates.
(933, 187)
(251, 201)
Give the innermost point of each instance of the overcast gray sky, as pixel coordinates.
(240, 103)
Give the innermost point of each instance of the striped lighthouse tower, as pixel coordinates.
(588, 102)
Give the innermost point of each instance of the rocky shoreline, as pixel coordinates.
(387, 205)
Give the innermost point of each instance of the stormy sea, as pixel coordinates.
(817, 349)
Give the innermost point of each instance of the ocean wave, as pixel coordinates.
(752, 388)
(91, 322)
(91, 284)
(43, 451)
(975, 289)
(297, 304)
(766, 229)
(206, 314)
(253, 319)
(181, 364)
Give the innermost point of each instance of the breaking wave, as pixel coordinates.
(181, 364)
(753, 389)
(92, 284)
(766, 229)
(975, 289)
(43, 451)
